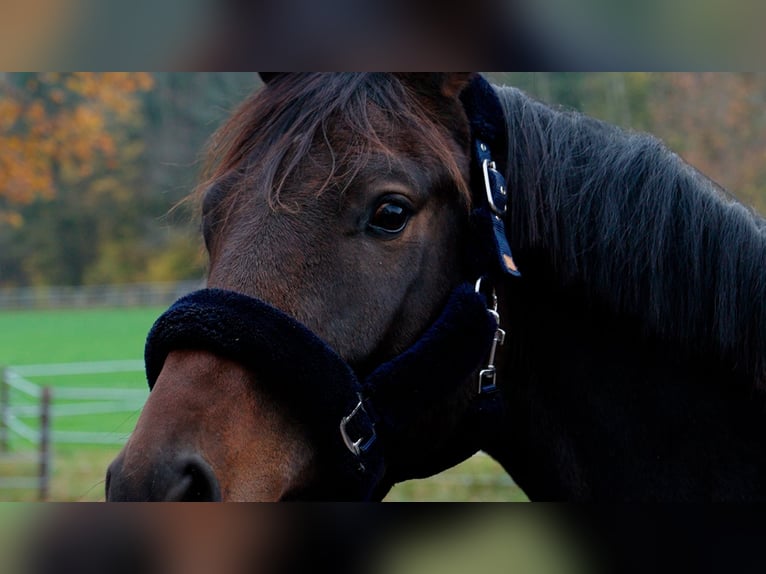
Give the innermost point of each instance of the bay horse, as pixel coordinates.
(405, 269)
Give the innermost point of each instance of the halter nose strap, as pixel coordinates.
(290, 364)
(349, 421)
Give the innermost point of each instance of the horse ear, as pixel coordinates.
(268, 77)
(447, 84)
(455, 82)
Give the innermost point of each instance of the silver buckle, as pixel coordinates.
(360, 445)
(486, 165)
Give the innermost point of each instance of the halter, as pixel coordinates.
(354, 418)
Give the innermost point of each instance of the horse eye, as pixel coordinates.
(389, 218)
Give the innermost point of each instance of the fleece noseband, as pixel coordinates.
(316, 386)
(350, 419)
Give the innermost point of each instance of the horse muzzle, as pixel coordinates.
(208, 433)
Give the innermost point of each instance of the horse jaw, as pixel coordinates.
(205, 408)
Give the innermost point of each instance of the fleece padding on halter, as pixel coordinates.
(315, 385)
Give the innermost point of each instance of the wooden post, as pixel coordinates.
(45, 443)
(5, 403)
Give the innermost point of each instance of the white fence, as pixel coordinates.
(129, 295)
(28, 411)
(9, 425)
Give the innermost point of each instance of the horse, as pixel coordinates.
(408, 268)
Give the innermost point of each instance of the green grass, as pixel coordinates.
(63, 336)
(478, 479)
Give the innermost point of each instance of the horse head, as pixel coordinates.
(335, 206)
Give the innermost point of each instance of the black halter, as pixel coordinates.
(352, 419)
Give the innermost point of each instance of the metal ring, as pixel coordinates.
(359, 446)
(491, 297)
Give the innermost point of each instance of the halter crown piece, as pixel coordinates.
(353, 419)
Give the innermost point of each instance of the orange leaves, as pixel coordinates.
(112, 89)
(35, 114)
(83, 137)
(9, 114)
(24, 173)
(60, 128)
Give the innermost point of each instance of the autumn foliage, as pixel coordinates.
(58, 129)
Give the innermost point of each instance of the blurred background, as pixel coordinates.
(393, 34)
(96, 239)
(378, 539)
(294, 539)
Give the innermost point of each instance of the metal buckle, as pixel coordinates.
(486, 165)
(359, 446)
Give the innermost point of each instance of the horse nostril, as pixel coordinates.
(185, 478)
(196, 483)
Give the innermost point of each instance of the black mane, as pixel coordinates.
(639, 230)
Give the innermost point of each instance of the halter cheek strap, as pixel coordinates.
(349, 420)
(491, 195)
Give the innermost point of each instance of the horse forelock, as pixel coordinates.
(641, 230)
(323, 130)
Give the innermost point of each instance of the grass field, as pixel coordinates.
(63, 336)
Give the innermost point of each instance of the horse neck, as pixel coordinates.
(638, 231)
(636, 332)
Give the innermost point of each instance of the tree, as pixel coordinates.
(104, 213)
(70, 146)
(58, 129)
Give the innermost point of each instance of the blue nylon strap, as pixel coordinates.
(496, 200)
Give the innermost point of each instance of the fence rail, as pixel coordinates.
(10, 424)
(36, 403)
(128, 295)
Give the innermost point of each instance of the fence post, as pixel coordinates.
(5, 400)
(45, 443)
